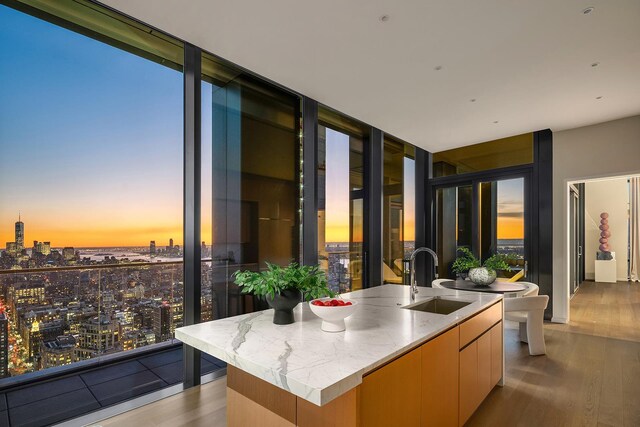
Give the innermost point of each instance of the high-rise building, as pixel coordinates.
(152, 248)
(96, 336)
(46, 248)
(11, 248)
(68, 253)
(57, 352)
(170, 243)
(162, 322)
(4, 344)
(19, 235)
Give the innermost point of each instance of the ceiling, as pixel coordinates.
(527, 64)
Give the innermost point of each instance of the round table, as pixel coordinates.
(497, 287)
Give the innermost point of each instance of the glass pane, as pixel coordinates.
(502, 218)
(356, 212)
(340, 208)
(93, 263)
(398, 213)
(454, 216)
(512, 151)
(392, 212)
(253, 195)
(409, 199)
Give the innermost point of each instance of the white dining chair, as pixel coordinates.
(532, 289)
(528, 311)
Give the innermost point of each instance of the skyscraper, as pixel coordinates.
(162, 322)
(152, 248)
(170, 243)
(19, 235)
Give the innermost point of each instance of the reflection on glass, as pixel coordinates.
(398, 208)
(454, 216)
(251, 184)
(512, 151)
(502, 217)
(340, 208)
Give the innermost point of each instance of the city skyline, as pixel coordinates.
(125, 188)
(90, 153)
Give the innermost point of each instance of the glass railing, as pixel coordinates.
(59, 316)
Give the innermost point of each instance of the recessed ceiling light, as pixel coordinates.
(384, 18)
(472, 100)
(598, 97)
(595, 64)
(495, 122)
(438, 67)
(588, 10)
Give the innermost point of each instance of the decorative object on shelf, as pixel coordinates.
(482, 274)
(333, 312)
(284, 287)
(604, 253)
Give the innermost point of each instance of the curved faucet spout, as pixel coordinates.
(412, 269)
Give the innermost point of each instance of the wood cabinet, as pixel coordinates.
(391, 395)
(440, 383)
(440, 380)
(480, 370)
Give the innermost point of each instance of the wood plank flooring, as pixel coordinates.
(589, 377)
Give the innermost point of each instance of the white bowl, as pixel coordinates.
(333, 317)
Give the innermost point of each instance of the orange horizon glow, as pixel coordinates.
(510, 228)
(108, 235)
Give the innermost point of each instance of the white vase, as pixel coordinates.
(482, 276)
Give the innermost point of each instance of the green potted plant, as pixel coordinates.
(284, 287)
(465, 262)
(482, 274)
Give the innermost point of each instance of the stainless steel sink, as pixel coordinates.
(438, 305)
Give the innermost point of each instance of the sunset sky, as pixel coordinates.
(91, 146)
(90, 140)
(511, 209)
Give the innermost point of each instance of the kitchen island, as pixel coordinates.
(392, 366)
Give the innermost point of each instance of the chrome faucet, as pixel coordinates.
(410, 269)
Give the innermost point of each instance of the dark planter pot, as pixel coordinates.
(283, 305)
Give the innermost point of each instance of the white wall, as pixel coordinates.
(596, 151)
(611, 196)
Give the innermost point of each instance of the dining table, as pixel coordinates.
(508, 289)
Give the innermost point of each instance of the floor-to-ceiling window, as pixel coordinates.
(90, 192)
(251, 182)
(341, 204)
(398, 209)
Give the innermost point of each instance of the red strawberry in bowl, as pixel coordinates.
(333, 311)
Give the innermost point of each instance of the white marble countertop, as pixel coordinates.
(320, 366)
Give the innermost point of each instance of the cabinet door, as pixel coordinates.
(440, 380)
(496, 354)
(484, 367)
(468, 381)
(390, 396)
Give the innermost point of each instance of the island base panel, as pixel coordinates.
(252, 401)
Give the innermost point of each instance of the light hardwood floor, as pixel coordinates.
(589, 377)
